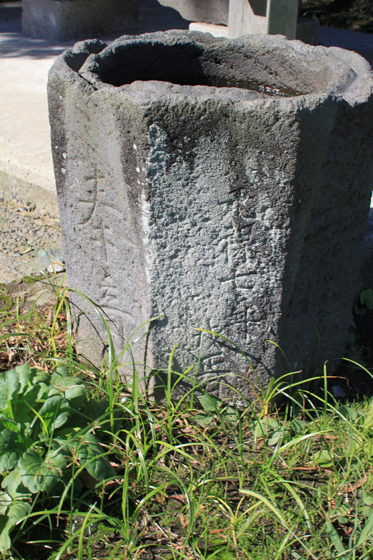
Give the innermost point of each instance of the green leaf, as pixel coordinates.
(324, 458)
(77, 396)
(5, 526)
(5, 501)
(25, 376)
(260, 429)
(63, 435)
(12, 483)
(204, 419)
(91, 412)
(55, 412)
(38, 473)
(22, 422)
(41, 377)
(43, 390)
(98, 467)
(9, 386)
(71, 388)
(16, 512)
(59, 384)
(334, 538)
(276, 436)
(9, 450)
(77, 486)
(272, 423)
(75, 392)
(230, 414)
(94, 409)
(366, 298)
(345, 411)
(367, 531)
(21, 405)
(60, 420)
(264, 426)
(365, 510)
(63, 371)
(298, 426)
(209, 403)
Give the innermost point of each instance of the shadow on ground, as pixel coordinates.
(153, 17)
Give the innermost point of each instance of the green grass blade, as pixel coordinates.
(367, 531)
(265, 501)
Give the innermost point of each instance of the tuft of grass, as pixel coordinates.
(196, 477)
(32, 333)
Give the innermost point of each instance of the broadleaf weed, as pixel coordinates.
(286, 476)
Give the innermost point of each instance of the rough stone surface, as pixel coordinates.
(235, 210)
(208, 11)
(71, 19)
(366, 267)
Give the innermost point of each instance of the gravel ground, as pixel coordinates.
(29, 241)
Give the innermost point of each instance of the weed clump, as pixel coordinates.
(91, 468)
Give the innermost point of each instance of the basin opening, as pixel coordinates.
(189, 64)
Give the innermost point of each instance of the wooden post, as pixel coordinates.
(280, 19)
(264, 17)
(282, 16)
(243, 21)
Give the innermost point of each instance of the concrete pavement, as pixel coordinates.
(26, 171)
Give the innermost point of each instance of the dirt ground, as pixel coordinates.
(29, 241)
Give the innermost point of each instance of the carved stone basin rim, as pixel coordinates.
(253, 68)
(224, 208)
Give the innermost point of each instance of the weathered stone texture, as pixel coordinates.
(240, 211)
(366, 266)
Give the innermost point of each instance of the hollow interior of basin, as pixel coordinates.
(226, 65)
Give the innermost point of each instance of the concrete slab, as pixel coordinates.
(361, 43)
(26, 170)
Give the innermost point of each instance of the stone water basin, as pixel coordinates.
(224, 184)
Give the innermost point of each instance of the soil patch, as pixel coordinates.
(29, 241)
